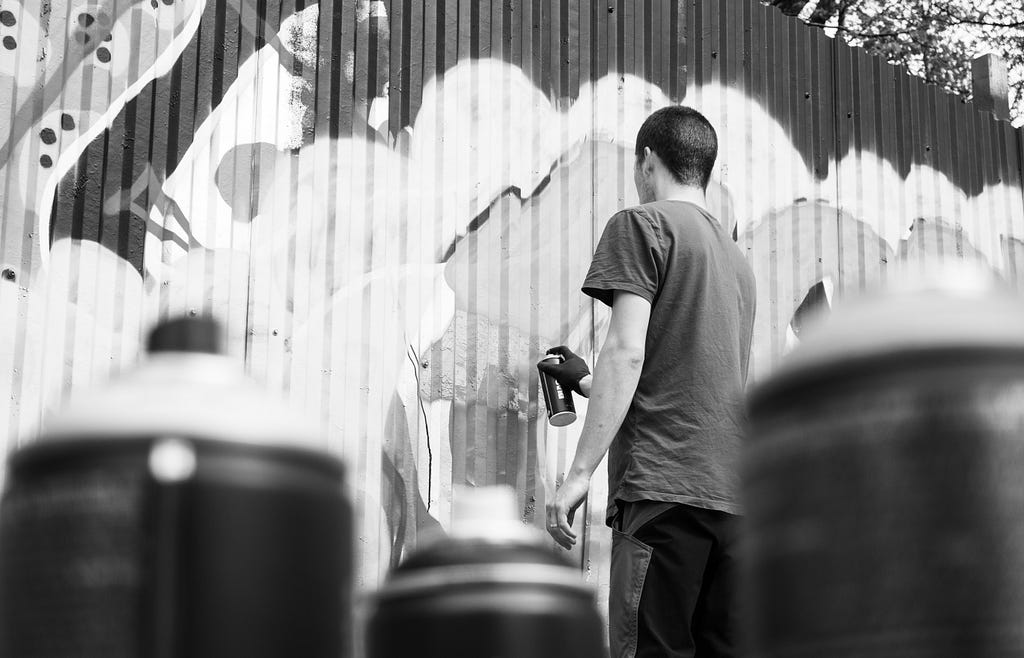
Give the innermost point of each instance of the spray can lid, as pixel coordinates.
(185, 388)
(955, 312)
(488, 545)
(186, 334)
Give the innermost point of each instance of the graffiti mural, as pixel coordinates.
(391, 205)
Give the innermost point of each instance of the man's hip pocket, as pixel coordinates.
(630, 559)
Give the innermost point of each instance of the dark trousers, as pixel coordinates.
(673, 576)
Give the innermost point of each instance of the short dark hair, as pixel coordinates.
(684, 140)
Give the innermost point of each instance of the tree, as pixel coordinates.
(934, 39)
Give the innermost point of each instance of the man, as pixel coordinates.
(666, 397)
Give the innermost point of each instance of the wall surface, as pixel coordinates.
(392, 205)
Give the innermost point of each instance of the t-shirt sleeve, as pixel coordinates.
(628, 258)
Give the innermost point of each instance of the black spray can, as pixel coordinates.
(179, 512)
(561, 409)
(882, 483)
(492, 588)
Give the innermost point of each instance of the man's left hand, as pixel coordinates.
(562, 509)
(569, 372)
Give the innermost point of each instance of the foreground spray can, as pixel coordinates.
(492, 588)
(179, 512)
(558, 400)
(882, 484)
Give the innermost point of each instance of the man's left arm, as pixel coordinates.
(614, 383)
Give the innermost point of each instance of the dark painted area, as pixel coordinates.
(829, 98)
(107, 196)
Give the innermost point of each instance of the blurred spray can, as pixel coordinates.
(493, 587)
(561, 409)
(179, 512)
(882, 484)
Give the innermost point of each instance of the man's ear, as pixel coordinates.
(648, 163)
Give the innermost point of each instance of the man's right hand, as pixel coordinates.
(562, 509)
(569, 372)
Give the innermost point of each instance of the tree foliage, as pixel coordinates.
(935, 39)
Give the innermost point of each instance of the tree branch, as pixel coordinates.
(863, 35)
(968, 21)
(960, 19)
(888, 35)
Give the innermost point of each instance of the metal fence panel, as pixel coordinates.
(392, 204)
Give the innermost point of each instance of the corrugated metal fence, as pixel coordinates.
(392, 205)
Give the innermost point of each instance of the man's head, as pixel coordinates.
(678, 143)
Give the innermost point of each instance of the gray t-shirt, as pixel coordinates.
(680, 439)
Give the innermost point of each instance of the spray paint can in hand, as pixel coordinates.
(561, 410)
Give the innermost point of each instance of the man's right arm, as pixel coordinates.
(618, 372)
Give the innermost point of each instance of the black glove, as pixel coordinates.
(569, 372)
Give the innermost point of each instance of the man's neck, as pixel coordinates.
(682, 193)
